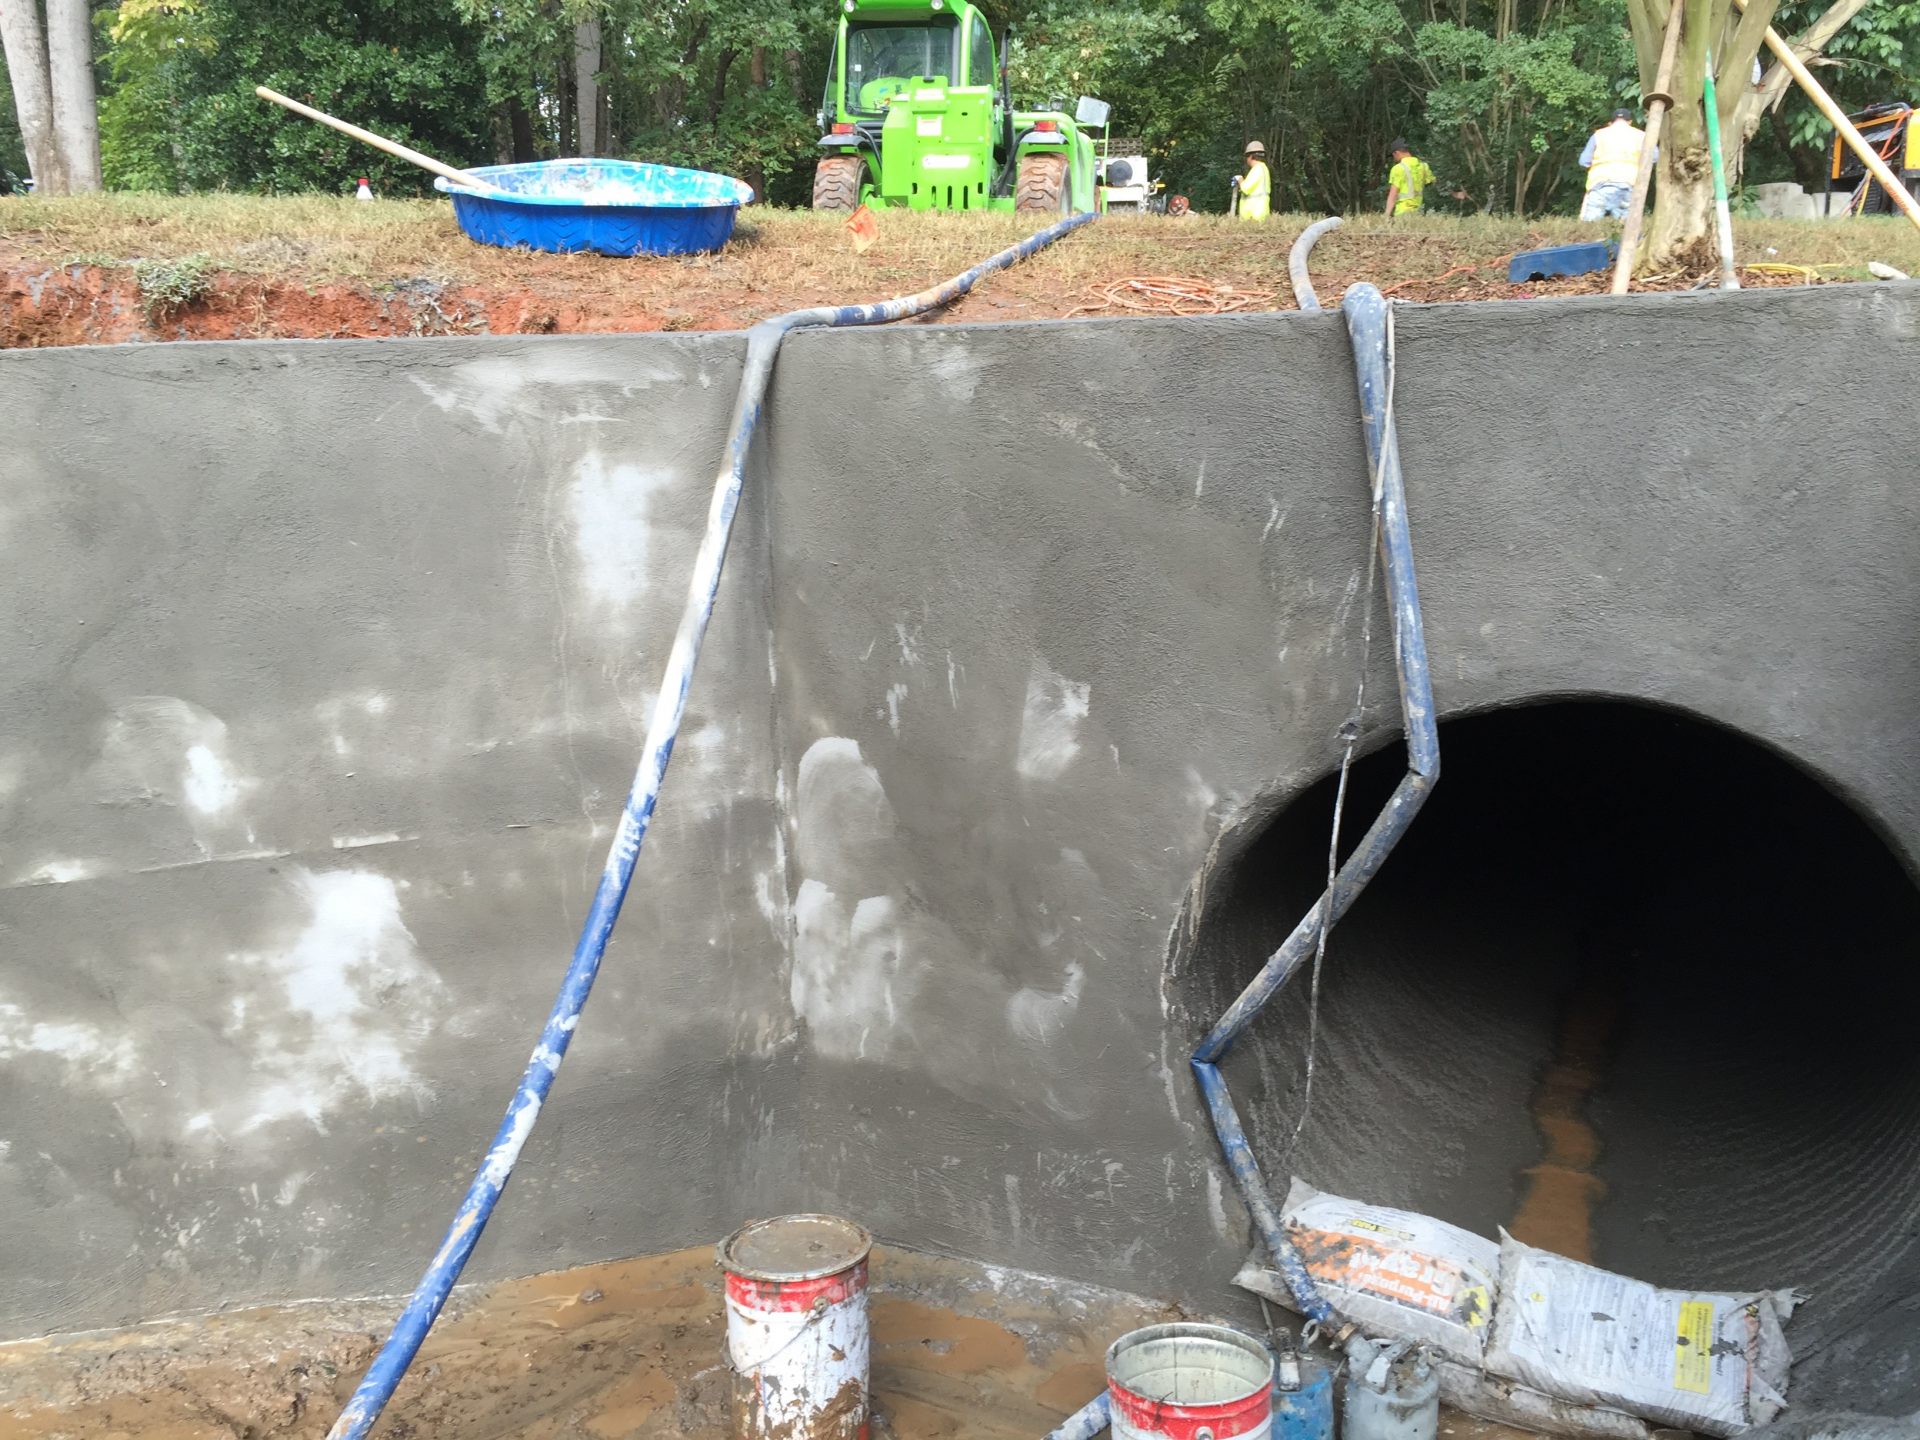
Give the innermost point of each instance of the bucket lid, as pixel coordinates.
(794, 1247)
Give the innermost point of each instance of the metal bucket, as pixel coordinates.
(797, 1328)
(1190, 1382)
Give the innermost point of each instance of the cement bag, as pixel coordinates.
(1508, 1402)
(1392, 1272)
(1693, 1359)
(1467, 1388)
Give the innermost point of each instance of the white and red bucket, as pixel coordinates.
(797, 1338)
(1190, 1382)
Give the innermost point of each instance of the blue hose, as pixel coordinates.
(1086, 1422)
(763, 344)
(1365, 310)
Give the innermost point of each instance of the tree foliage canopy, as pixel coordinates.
(1497, 95)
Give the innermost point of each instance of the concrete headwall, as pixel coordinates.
(326, 666)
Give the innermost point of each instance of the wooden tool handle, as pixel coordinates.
(367, 137)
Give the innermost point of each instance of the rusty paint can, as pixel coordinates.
(797, 1338)
(1190, 1382)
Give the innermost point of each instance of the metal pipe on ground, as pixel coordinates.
(1657, 105)
(1857, 142)
(1367, 316)
(496, 1167)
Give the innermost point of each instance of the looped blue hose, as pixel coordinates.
(763, 344)
(1365, 310)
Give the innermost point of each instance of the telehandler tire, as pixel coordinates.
(1042, 187)
(836, 182)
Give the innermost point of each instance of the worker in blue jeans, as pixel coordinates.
(1612, 163)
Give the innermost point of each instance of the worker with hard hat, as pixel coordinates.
(1253, 191)
(1612, 161)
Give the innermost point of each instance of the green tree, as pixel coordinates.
(182, 115)
(1511, 96)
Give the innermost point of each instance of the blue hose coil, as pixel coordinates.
(1365, 310)
(763, 344)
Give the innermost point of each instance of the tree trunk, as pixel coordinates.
(32, 93)
(794, 77)
(1681, 236)
(520, 124)
(569, 136)
(76, 122)
(719, 96)
(586, 82)
(754, 171)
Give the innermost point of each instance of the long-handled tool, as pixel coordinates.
(1876, 167)
(1722, 215)
(1657, 105)
(378, 142)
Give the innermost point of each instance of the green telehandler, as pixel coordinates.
(915, 115)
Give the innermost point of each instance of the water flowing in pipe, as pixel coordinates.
(763, 344)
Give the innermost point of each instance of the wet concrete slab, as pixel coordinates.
(628, 1350)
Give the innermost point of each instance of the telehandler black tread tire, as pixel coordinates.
(836, 182)
(1042, 188)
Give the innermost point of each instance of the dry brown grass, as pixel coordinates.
(324, 238)
(321, 265)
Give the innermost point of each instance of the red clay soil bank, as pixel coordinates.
(43, 304)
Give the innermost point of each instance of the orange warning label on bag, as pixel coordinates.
(1359, 1264)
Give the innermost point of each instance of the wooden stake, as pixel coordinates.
(1657, 104)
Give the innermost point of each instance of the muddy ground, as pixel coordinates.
(629, 1350)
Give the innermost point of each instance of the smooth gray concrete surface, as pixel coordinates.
(1028, 635)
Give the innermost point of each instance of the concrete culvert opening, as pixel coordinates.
(1635, 988)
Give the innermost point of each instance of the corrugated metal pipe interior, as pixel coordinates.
(1633, 987)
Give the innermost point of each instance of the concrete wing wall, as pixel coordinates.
(326, 667)
(1065, 613)
(1028, 630)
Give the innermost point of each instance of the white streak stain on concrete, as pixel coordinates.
(207, 785)
(348, 1000)
(542, 386)
(1050, 723)
(60, 872)
(895, 694)
(160, 750)
(361, 842)
(609, 507)
(1039, 1015)
(84, 1052)
(1217, 1209)
(850, 980)
(909, 642)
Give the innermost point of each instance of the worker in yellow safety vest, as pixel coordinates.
(1407, 182)
(1253, 191)
(1612, 161)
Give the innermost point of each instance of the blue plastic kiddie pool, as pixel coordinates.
(617, 207)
